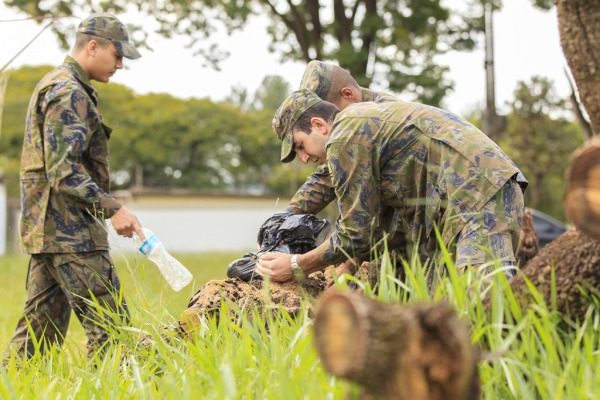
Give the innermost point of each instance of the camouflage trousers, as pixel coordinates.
(86, 283)
(493, 233)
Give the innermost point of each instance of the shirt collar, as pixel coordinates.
(367, 94)
(81, 77)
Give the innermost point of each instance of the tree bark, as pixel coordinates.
(579, 26)
(582, 203)
(395, 352)
(575, 258)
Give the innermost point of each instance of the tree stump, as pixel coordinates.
(421, 352)
(583, 193)
(575, 257)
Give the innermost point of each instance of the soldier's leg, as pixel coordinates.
(494, 233)
(47, 310)
(94, 292)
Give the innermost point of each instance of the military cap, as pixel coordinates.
(286, 116)
(107, 26)
(318, 77)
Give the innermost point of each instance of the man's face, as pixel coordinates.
(311, 147)
(105, 62)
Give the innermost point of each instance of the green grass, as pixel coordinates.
(529, 353)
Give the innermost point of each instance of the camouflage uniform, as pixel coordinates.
(64, 201)
(405, 168)
(317, 192)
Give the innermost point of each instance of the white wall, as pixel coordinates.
(197, 230)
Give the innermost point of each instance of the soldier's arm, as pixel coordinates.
(358, 199)
(314, 195)
(66, 138)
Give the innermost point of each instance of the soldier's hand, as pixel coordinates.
(277, 266)
(126, 223)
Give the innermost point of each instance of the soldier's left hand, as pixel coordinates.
(278, 266)
(126, 223)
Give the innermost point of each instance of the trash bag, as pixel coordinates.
(283, 233)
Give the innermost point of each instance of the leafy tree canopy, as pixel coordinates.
(391, 42)
(540, 139)
(169, 142)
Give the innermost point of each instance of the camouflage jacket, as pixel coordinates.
(64, 167)
(317, 192)
(429, 166)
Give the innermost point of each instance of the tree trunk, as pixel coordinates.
(575, 258)
(583, 193)
(395, 352)
(579, 26)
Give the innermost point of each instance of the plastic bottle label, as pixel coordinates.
(148, 245)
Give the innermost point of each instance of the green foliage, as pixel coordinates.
(271, 93)
(393, 42)
(169, 142)
(540, 140)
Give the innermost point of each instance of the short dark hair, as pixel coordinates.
(341, 79)
(322, 109)
(82, 39)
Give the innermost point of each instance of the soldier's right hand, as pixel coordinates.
(126, 223)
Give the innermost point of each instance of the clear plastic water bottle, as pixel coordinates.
(173, 271)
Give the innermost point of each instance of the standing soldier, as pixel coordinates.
(433, 169)
(65, 196)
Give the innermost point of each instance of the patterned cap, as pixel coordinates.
(318, 77)
(286, 116)
(107, 26)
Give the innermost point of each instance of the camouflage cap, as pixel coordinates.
(318, 77)
(107, 26)
(286, 116)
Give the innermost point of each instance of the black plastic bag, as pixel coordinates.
(283, 233)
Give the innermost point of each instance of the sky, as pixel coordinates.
(526, 43)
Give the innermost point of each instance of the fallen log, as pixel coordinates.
(396, 352)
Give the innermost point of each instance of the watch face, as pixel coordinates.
(298, 274)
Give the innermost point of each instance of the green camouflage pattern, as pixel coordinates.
(497, 227)
(406, 168)
(64, 175)
(286, 116)
(107, 26)
(318, 77)
(57, 284)
(317, 192)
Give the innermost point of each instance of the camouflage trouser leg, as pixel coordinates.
(58, 283)
(493, 233)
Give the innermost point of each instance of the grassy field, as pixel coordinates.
(529, 353)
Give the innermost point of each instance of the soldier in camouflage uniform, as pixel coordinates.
(334, 85)
(65, 196)
(433, 169)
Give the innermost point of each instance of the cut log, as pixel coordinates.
(575, 257)
(583, 192)
(396, 352)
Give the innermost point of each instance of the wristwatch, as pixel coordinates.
(298, 273)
